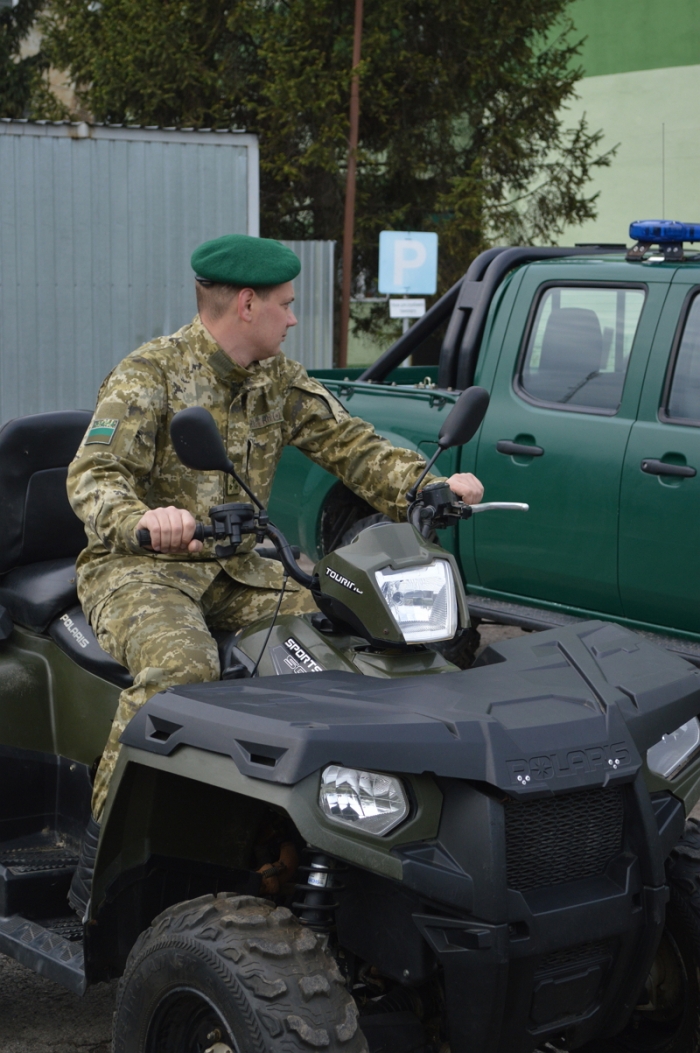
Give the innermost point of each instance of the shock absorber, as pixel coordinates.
(315, 903)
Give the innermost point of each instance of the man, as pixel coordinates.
(152, 611)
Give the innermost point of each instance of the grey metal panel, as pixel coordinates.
(97, 226)
(311, 341)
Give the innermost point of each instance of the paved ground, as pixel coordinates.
(37, 1016)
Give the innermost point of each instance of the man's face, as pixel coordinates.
(272, 318)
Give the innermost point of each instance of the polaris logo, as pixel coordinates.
(343, 581)
(574, 762)
(74, 631)
(300, 654)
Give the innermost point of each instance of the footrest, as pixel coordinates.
(45, 951)
(35, 879)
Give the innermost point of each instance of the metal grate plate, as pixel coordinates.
(565, 838)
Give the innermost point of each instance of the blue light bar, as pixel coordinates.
(664, 230)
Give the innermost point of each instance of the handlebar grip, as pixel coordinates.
(201, 532)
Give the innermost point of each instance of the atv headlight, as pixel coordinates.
(422, 601)
(670, 754)
(363, 799)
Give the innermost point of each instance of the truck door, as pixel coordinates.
(563, 403)
(660, 498)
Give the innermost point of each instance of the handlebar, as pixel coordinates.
(436, 507)
(284, 549)
(201, 533)
(508, 506)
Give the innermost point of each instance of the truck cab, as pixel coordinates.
(592, 360)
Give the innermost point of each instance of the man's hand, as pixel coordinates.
(466, 486)
(172, 530)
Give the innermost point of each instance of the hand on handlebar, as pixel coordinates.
(171, 529)
(467, 487)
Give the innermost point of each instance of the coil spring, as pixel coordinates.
(315, 904)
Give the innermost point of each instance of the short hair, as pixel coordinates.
(215, 298)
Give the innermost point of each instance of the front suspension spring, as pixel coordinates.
(315, 904)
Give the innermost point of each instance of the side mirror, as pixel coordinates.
(463, 421)
(197, 441)
(459, 427)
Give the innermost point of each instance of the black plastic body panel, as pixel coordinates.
(72, 633)
(524, 967)
(585, 699)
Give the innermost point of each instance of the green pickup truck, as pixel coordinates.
(592, 360)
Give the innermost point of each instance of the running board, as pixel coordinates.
(45, 951)
(537, 618)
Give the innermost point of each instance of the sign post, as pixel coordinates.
(407, 267)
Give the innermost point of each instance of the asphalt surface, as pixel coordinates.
(38, 1016)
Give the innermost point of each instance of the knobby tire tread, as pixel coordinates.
(287, 992)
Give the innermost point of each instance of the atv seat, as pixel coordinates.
(35, 595)
(40, 537)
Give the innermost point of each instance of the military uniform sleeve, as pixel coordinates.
(349, 447)
(109, 476)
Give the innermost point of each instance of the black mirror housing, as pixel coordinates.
(463, 421)
(197, 441)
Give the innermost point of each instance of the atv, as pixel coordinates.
(354, 856)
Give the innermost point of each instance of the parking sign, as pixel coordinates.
(408, 262)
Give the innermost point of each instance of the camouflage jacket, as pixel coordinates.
(126, 463)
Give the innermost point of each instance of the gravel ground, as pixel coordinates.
(38, 1016)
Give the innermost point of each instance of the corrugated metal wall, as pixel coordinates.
(96, 230)
(311, 341)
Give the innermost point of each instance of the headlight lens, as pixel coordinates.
(422, 601)
(670, 754)
(362, 799)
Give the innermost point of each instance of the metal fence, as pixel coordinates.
(97, 225)
(311, 341)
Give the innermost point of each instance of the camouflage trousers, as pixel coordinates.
(162, 636)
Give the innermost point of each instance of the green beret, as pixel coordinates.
(237, 259)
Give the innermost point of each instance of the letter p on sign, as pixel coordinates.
(407, 262)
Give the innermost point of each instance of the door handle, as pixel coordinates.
(653, 467)
(516, 449)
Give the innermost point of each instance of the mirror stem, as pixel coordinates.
(411, 495)
(232, 471)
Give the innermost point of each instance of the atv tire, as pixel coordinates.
(362, 524)
(670, 1021)
(232, 974)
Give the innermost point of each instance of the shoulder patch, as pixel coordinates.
(272, 417)
(102, 431)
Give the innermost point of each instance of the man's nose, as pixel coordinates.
(292, 318)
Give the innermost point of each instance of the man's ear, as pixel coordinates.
(245, 304)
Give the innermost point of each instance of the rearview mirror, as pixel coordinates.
(463, 421)
(197, 441)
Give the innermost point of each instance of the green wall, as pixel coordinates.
(625, 35)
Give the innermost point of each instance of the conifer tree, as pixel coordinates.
(19, 76)
(461, 122)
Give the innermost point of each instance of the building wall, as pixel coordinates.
(97, 226)
(642, 87)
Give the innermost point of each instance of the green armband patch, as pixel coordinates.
(101, 431)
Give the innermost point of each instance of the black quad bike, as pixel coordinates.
(491, 860)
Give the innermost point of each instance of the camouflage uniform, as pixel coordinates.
(150, 610)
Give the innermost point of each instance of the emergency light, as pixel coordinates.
(656, 230)
(668, 234)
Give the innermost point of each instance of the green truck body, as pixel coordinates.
(593, 366)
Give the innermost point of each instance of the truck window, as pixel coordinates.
(578, 346)
(683, 401)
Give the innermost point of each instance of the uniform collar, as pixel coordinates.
(219, 362)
